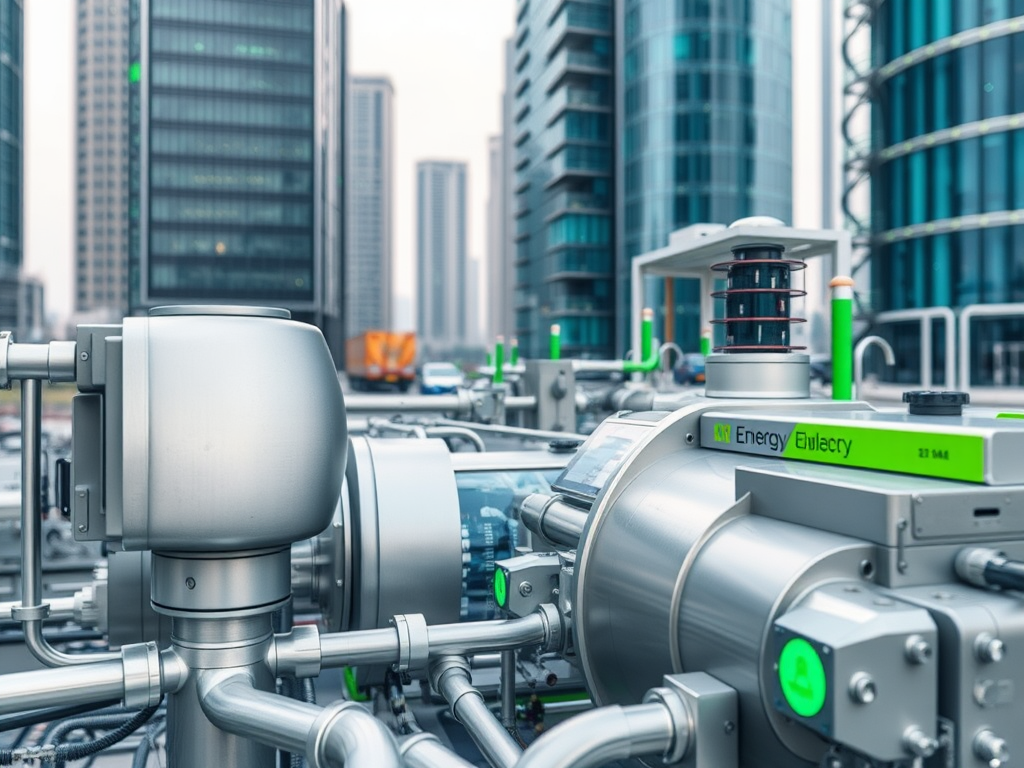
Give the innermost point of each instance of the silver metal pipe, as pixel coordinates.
(392, 426)
(424, 750)
(54, 361)
(449, 676)
(361, 403)
(500, 429)
(83, 684)
(344, 734)
(475, 636)
(370, 646)
(61, 609)
(32, 612)
(602, 736)
(466, 434)
(553, 519)
(508, 689)
(485, 661)
(520, 402)
(381, 646)
(603, 366)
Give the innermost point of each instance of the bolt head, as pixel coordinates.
(526, 589)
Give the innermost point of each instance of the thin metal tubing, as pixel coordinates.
(83, 684)
(508, 689)
(602, 736)
(380, 646)
(344, 736)
(408, 403)
(31, 533)
(536, 434)
(465, 434)
(556, 521)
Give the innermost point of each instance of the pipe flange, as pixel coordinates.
(31, 612)
(682, 723)
(5, 345)
(297, 653)
(554, 626)
(141, 662)
(321, 727)
(413, 642)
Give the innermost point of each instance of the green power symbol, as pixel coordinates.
(802, 677)
(500, 587)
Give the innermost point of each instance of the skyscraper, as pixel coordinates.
(945, 158)
(11, 38)
(442, 269)
(561, 82)
(632, 120)
(236, 169)
(101, 164)
(368, 257)
(704, 114)
(498, 313)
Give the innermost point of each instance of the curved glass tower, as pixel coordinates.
(705, 125)
(946, 163)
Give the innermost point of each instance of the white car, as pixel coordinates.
(440, 378)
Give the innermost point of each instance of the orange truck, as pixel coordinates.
(381, 359)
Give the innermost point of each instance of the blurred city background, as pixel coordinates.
(460, 170)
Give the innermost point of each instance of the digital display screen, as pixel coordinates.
(598, 459)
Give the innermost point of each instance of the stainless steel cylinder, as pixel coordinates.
(758, 375)
(220, 584)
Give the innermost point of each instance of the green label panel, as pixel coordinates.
(956, 457)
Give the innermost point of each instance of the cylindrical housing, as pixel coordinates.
(234, 430)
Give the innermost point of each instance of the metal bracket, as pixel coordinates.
(30, 612)
(5, 345)
(413, 642)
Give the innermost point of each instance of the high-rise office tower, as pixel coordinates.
(498, 318)
(704, 118)
(945, 159)
(442, 270)
(101, 163)
(368, 257)
(11, 39)
(562, 89)
(631, 120)
(236, 167)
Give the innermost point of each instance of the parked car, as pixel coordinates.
(440, 378)
(690, 370)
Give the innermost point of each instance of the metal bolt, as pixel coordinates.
(83, 356)
(730, 726)
(918, 649)
(919, 743)
(862, 688)
(990, 748)
(82, 528)
(989, 648)
(190, 583)
(526, 588)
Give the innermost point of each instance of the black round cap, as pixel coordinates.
(564, 445)
(936, 403)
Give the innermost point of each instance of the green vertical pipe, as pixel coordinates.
(490, 360)
(646, 333)
(555, 342)
(515, 351)
(705, 342)
(499, 361)
(842, 337)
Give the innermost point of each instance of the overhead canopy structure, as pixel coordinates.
(691, 252)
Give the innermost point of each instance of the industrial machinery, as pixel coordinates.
(741, 577)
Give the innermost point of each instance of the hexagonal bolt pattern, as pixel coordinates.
(862, 688)
(989, 648)
(918, 650)
(918, 743)
(990, 748)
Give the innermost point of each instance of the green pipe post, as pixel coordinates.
(705, 342)
(648, 354)
(499, 361)
(490, 360)
(555, 342)
(515, 351)
(842, 337)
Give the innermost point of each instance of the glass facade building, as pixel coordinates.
(946, 162)
(11, 40)
(442, 267)
(562, 87)
(235, 155)
(631, 120)
(705, 119)
(368, 257)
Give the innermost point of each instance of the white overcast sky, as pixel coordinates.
(445, 59)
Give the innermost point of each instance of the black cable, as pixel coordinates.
(48, 715)
(148, 742)
(66, 752)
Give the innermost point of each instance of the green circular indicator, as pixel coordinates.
(500, 587)
(802, 677)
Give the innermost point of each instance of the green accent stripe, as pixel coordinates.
(1010, 416)
(933, 454)
(352, 686)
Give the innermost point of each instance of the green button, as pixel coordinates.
(500, 587)
(802, 677)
